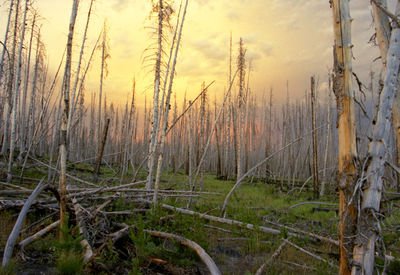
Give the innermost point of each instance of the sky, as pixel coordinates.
(285, 40)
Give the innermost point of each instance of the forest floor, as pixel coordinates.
(235, 249)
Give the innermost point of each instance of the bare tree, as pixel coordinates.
(9, 88)
(15, 97)
(346, 128)
(64, 124)
(157, 78)
(241, 63)
(368, 223)
(314, 137)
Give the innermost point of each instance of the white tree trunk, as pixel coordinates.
(73, 96)
(64, 123)
(10, 84)
(5, 40)
(155, 121)
(166, 109)
(23, 129)
(368, 223)
(15, 97)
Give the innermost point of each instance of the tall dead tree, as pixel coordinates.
(368, 228)
(10, 81)
(78, 69)
(314, 138)
(167, 106)
(23, 129)
(383, 30)
(342, 87)
(241, 63)
(157, 78)
(65, 115)
(15, 97)
(4, 50)
(103, 72)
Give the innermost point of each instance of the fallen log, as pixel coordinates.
(276, 254)
(8, 250)
(85, 244)
(206, 259)
(38, 235)
(305, 233)
(295, 233)
(309, 253)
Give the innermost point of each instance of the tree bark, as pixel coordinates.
(369, 224)
(155, 120)
(166, 109)
(18, 224)
(65, 115)
(346, 129)
(100, 151)
(15, 97)
(314, 138)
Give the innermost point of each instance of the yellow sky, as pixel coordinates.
(285, 40)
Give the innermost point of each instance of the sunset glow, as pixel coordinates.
(285, 41)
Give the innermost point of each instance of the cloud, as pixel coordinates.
(209, 49)
(233, 15)
(119, 5)
(266, 49)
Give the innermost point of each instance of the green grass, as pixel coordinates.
(250, 204)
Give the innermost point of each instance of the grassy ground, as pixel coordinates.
(235, 250)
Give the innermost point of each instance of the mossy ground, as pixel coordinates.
(235, 250)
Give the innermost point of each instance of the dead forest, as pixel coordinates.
(239, 183)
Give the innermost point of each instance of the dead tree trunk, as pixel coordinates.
(15, 97)
(74, 89)
(314, 138)
(166, 109)
(3, 52)
(100, 151)
(10, 80)
(346, 129)
(155, 121)
(64, 123)
(23, 130)
(368, 223)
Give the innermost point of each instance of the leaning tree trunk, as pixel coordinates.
(346, 129)
(383, 29)
(78, 69)
(369, 224)
(64, 123)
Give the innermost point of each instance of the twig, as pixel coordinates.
(276, 254)
(58, 171)
(312, 202)
(312, 235)
(309, 253)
